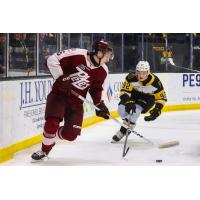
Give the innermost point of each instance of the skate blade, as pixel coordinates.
(113, 141)
(41, 160)
(36, 161)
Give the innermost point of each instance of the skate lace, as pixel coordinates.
(119, 134)
(41, 153)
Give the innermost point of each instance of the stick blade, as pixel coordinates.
(168, 144)
(125, 152)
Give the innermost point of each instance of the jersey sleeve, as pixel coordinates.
(59, 62)
(160, 95)
(127, 88)
(53, 64)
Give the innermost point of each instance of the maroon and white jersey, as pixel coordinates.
(83, 75)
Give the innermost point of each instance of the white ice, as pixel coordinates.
(94, 148)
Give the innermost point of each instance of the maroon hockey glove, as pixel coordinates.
(104, 112)
(62, 85)
(153, 115)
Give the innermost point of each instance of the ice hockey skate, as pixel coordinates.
(117, 137)
(38, 156)
(41, 154)
(120, 134)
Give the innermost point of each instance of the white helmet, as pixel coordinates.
(143, 66)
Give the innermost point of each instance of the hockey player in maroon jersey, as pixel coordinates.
(81, 71)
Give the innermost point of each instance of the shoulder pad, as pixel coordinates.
(157, 82)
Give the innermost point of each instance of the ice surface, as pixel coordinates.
(93, 147)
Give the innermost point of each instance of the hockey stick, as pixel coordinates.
(173, 64)
(125, 150)
(163, 145)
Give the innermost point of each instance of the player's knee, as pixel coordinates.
(70, 136)
(51, 125)
(121, 111)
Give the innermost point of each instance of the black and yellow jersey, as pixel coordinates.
(151, 86)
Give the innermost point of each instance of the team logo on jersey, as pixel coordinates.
(80, 79)
(83, 67)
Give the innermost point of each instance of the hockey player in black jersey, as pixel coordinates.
(141, 91)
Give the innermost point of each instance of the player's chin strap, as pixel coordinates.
(163, 145)
(94, 61)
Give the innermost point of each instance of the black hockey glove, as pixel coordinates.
(124, 98)
(130, 106)
(62, 85)
(153, 114)
(103, 112)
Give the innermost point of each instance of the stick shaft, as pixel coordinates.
(125, 150)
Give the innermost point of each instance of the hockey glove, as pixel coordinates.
(130, 106)
(62, 85)
(103, 112)
(153, 114)
(124, 98)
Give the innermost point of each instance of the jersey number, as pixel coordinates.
(126, 86)
(163, 95)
